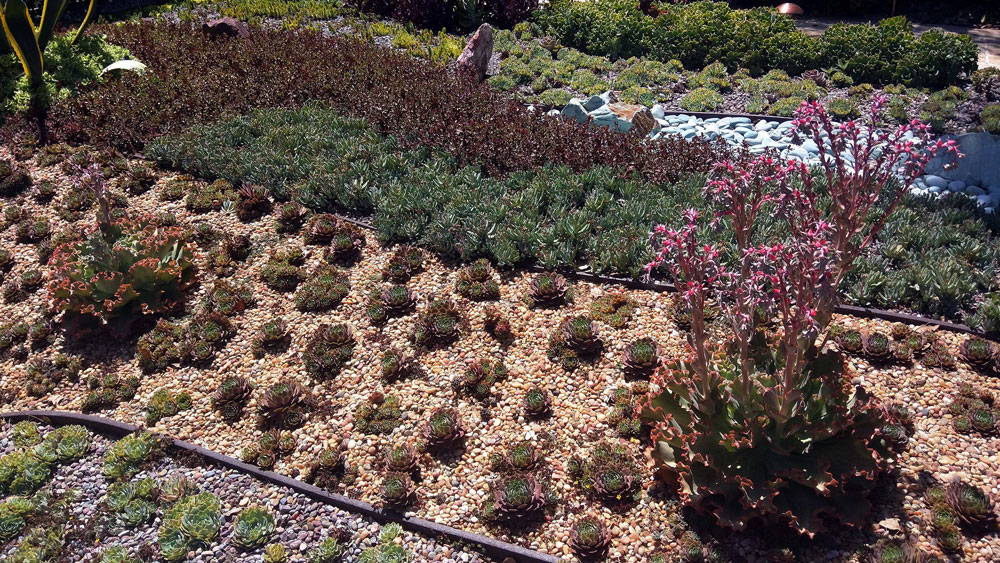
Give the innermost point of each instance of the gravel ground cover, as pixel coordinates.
(300, 523)
(454, 484)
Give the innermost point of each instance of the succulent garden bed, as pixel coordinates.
(168, 505)
(430, 374)
(333, 254)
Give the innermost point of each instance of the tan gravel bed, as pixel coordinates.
(453, 489)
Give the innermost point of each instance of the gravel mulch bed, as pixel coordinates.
(455, 485)
(300, 523)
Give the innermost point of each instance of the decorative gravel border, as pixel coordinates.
(493, 548)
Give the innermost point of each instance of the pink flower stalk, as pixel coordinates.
(865, 173)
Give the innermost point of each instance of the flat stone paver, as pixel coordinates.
(987, 39)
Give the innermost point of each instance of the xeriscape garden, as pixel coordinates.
(316, 243)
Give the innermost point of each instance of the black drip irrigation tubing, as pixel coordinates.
(851, 310)
(501, 551)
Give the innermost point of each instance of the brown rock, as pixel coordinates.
(476, 55)
(225, 27)
(641, 118)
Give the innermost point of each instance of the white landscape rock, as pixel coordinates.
(126, 64)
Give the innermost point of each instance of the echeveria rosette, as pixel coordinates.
(135, 268)
(739, 460)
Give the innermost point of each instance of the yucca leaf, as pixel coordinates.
(85, 22)
(52, 10)
(20, 33)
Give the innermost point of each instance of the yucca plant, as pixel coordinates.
(29, 41)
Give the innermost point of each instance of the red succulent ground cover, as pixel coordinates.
(193, 79)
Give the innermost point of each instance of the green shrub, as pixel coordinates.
(67, 67)
(793, 51)
(586, 82)
(987, 316)
(555, 97)
(713, 77)
(701, 99)
(990, 118)
(937, 58)
(843, 108)
(785, 106)
(638, 95)
(646, 73)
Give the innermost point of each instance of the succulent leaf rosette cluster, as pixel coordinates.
(767, 426)
(133, 267)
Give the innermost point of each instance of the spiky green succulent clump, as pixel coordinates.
(949, 539)
(575, 341)
(397, 489)
(548, 290)
(320, 229)
(380, 415)
(228, 299)
(231, 396)
(323, 290)
(536, 402)
(25, 434)
(641, 357)
(192, 523)
(518, 457)
(118, 554)
(405, 263)
(589, 538)
(127, 456)
(329, 351)
(283, 405)
(973, 506)
(346, 246)
(386, 551)
(516, 497)
(326, 470)
(850, 341)
(937, 355)
(396, 365)
(439, 324)
(272, 336)
(978, 352)
(275, 553)
(282, 271)
(164, 404)
(132, 502)
(610, 474)
(497, 325)
(401, 459)
(623, 417)
(443, 428)
(476, 281)
(253, 528)
(613, 309)
(253, 203)
(289, 217)
(888, 552)
(877, 346)
(479, 379)
(327, 551)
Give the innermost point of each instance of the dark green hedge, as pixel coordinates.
(759, 40)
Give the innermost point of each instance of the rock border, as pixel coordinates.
(501, 551)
